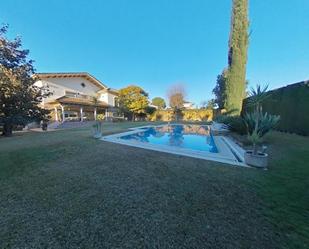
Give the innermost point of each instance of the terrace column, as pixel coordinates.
(95, 113)
(81, 114)
(106, 114)
(62, 112)
(56, 114)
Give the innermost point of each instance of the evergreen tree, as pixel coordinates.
(235, 85)
(19, 97)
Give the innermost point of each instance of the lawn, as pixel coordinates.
(64, 189)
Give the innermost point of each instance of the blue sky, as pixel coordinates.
(157, 43)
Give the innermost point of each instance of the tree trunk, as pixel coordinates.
(7, 130)
(176, 115)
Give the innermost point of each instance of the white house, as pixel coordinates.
(188, 105)
(76, 96)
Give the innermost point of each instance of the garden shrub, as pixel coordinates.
(162, 115)
(235, 123)
(100, 117)
(197, 115)
(187, 115)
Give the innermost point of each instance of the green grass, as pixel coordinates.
(285, 188)
(64, 189)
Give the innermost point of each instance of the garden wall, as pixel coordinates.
(292, 104)
(185, 115)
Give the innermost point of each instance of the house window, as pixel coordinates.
(83, 84)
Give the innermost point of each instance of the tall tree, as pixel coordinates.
(19, 97)
(176, 96)
(220, 90)
(237, 57)
(133, 100)
(210, 104)
(158, 102)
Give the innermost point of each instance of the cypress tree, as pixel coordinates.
(235, 89)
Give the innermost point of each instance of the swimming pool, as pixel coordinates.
(195, 137)
(182, 139)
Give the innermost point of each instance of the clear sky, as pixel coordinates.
(157, 43)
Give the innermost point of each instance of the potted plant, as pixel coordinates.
(258, 125)
(44, 125)
(97, 129)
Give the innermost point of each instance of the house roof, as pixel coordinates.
(110, 90)
(73, 74)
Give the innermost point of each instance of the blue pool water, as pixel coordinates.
(194, 137)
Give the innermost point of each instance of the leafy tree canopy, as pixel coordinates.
(159, 102)
(210, 104)
(19, 97)
(133, 100)
(220, 90)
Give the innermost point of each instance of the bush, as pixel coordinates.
(187, 115)
(100, 117)
(221, 118)
(238, 125)
(162, 115)
(235, 123)
(150, 110)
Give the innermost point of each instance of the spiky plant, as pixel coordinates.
(257, 96)
(97, 129)
(258, 125)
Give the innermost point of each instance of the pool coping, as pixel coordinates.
(228, 151)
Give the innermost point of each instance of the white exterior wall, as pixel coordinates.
(108, 98)
(73, 84)
(188, 105)
(58, 87)
(56, 90)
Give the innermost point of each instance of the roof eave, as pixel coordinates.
(70, 75)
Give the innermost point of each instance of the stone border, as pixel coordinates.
(228, 151)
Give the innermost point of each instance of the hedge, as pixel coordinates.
(186, 115)
(292, 104)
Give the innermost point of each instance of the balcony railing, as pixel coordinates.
(78, 95)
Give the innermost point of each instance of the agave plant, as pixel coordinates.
(97, 129)
(257, 96)
(259, 124)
